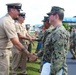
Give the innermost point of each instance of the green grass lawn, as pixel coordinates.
(32, 67)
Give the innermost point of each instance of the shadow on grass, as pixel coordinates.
(32, 69)
(37, 63)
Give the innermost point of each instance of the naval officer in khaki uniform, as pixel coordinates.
(8, 36)
(28, 42)
(19, 59)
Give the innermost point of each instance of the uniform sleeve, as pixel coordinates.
(10, 29)
(58, 53)
(17, 28)
(40, 36)
(40, 53)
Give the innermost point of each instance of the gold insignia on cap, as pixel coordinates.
(14, 4)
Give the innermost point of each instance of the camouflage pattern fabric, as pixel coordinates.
(42, 52)
(40, 36)
(73, 43)
(39, 39)
(56, 48)
(45, 34)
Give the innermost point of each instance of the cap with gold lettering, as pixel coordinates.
(14, 6)
(22, 14)
(27, 25)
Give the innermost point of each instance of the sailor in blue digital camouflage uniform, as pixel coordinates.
(57, 43)
(41, 53)
(73, 42)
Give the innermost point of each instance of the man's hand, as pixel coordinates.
(33, 38)
(33, 58)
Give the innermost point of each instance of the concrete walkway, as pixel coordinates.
(71, 64)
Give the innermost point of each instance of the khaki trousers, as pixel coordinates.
(19, 59)
(4, 61)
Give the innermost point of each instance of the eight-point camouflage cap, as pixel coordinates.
(56, 9)
(46, 18)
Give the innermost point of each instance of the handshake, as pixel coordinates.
(33, 57)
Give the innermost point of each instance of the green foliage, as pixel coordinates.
(32, 68)
(66, 25)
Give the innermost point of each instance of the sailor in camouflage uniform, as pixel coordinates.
(57, 43)
(73, 43)
(49, 28)
(44, 35)
(39, 38)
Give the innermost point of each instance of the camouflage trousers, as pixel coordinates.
(63, 71)
(73, 51)
(46, 70)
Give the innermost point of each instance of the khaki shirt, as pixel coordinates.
(7, 31)
(21, 30)
(28, 41)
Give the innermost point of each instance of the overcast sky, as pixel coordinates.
(37, 9)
